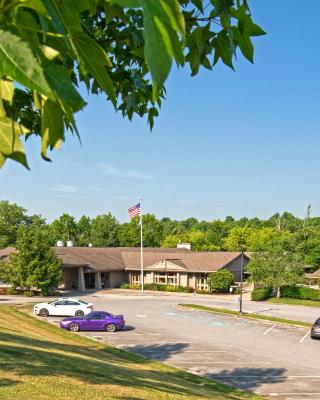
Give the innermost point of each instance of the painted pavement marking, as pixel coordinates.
(304, 337)
(269, 330)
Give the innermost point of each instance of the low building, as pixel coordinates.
(109, 267)
(313, 278)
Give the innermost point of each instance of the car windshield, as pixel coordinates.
(50, 302)
(82, 302)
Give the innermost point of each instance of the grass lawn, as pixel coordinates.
(39, 361)
(246, 315)
(297, 302)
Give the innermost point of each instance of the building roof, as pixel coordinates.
(128, 258)
(97, 258)
(193, 261)
(313, 275)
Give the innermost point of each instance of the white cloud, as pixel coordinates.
(63, 188)
(131, 173)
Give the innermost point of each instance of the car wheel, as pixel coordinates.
(111, 328)
(44, 312)
(74, 327)
(79, 313)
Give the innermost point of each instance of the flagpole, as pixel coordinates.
(141, 249)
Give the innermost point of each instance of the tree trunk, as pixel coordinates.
(278, 292)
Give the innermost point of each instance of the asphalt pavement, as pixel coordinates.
(274, 360)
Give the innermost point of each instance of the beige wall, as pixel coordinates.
(117, 278)
(191, 280)
(70, 278)
(149, 277)
(183, 279)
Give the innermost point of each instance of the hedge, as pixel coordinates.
(298, 292)
(163, 288)
(261, 294)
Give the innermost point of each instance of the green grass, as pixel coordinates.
(247, 315)
(296, 302)
(39, 361)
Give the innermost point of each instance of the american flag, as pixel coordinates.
(134, 211)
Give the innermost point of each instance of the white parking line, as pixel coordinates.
(269, 330)
(304, 337)
(141, 316)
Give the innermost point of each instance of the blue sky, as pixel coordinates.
(242, 143)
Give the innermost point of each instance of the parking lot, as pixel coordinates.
(274, 360)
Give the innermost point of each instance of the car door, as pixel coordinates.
(58, 308)
(93, 321)
(71, 307)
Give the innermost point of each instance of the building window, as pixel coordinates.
(160, 277)
(172, 279)
(202, 282)
(135, 278)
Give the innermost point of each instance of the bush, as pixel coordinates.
(201, 291)
(28, 293)
(12, 291)
(298, 292)
(261, 294)
(220, 281)
(125, 286)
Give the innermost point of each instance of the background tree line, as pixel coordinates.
(298, 235)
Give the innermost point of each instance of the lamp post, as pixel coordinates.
(241, 283)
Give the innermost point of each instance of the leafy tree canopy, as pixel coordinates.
(220, 281)
(34, 265)
(123, 49)
(104, 231)
(276, 266)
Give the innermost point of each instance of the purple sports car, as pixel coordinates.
(94, 321)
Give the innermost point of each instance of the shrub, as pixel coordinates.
(28, 293)
(135, 287)
(3, 291)
(261, 294)
(125, 286)
(12, 291)
(220, 281)
(298, 292)
(190, 289)
(201, 291)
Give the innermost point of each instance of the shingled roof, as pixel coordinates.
(128, 258)
(194, 261)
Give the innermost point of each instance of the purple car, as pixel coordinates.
(94, 321)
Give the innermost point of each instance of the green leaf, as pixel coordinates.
(52, 127)
(10, 144)
(163, 27)
(93, 59)
(246, 47)
(18, 62)
(59, 79)
(6, 90)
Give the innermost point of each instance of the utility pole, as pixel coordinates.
(241, 284)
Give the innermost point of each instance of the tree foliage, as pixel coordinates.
(220, 281)
(104, 231)
(123, 49)
(276, 266)
(34, 264)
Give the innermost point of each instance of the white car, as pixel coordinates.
(63, 307)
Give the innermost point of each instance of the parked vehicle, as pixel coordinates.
(315, 329)
(64, 307)
(95, 321)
